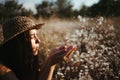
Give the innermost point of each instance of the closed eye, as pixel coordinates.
(32, 36)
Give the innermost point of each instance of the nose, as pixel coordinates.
(37, 40)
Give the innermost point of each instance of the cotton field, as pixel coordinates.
(98, 47)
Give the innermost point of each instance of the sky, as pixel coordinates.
(77, 4)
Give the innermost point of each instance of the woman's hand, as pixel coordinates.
(56, 56)
(60, 54)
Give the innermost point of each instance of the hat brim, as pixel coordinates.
(37, 26)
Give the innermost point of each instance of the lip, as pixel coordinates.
(35, 52)
(36, 49)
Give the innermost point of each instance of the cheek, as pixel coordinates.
(35, 47)
(34, 44)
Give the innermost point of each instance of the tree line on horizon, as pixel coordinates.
(61, 9)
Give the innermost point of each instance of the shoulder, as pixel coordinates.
(4, 69)
(6, 73)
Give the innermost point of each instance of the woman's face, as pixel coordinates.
(34, 41)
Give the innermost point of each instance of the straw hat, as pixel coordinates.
(17, 25)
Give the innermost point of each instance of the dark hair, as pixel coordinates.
(17, 55)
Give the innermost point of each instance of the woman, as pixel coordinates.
(19, 52)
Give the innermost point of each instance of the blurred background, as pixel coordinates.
(90, 25)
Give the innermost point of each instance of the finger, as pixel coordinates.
(63, 47)
(69, 50)
(61, 52)
(58, 57)
(57, 53)
(56, 50)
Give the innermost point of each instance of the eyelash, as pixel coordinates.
(32, 36)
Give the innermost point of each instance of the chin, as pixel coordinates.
(35, 53)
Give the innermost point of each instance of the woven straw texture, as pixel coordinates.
(16, 26)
